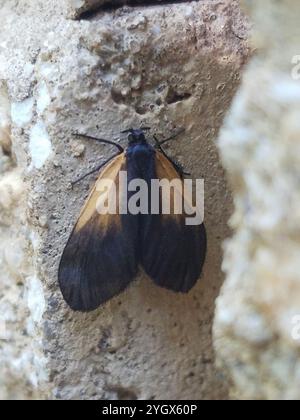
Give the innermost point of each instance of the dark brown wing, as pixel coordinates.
(100, 258)
(173, 253)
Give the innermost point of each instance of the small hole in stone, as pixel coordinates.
(141, 110)
(123, 393)
(117, 97)
(161, 88)
(126, 394)
(174, 97)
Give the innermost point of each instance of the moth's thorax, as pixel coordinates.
(140, 156)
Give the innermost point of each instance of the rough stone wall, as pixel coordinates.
(167, 66)
(257, 321)
(21, 297)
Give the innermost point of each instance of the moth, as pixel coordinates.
(104, 251)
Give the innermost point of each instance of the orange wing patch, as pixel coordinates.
(180, 197)
(89, 211)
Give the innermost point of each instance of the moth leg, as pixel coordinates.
(179, 168)
(113, 143)
(173, 136)
(94, 170)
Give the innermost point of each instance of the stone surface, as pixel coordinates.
(100, 75)
(21, 368)
(257, 321)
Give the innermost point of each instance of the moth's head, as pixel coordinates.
(136, 136)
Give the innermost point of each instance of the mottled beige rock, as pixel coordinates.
(257, 321)
(21, 369)
(100, 75)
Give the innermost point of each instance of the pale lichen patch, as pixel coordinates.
(40, 147)
(22, 112)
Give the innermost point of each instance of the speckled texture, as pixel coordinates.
(100, 75)
(256, 329)
(21, 368)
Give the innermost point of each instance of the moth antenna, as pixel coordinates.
(100, 140)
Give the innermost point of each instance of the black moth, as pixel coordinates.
(104, 252)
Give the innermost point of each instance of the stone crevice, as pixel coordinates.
(112, 5)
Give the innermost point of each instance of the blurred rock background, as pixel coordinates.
(257, 320)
